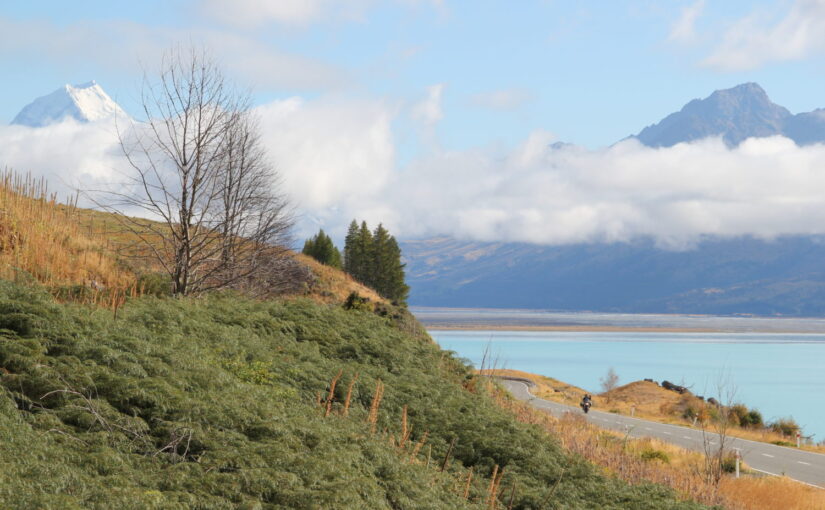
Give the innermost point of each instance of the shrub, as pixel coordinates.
(753, 419)
(744, 417)
(651, 453)
(785, 426)
(355, 301)
(155, 284)
(729, 463)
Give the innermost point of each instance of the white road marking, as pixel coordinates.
(648, 428)
(767, 455)
(687, 437)
(668, 433)
(806, 463)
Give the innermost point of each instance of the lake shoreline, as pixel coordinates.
(453, 319)
(579, 328)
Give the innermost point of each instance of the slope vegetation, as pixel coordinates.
(224, 402)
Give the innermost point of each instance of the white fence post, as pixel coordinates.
(737, 462)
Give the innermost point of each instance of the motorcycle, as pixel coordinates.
(585, 405)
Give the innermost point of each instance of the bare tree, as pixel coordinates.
(199, 169)
(254, 221)
(609, 382)
(716, 422)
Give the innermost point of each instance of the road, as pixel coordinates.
(805, 467)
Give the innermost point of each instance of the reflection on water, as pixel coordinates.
(780, 374)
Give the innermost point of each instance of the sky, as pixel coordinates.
(437, 117)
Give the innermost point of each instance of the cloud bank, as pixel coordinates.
(337, 161)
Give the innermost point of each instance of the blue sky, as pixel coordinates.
(436, 116)
(591, 73)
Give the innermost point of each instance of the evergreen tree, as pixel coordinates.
(374, 259)
(381, 260)
(397, 289)
(350, 249)
(363, 256)
(321, 248)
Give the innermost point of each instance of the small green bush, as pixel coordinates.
(155, 284)
(783, 443)
(355, 301)
(744, 417)
(651, 453)
(785, 426)
(729, 464)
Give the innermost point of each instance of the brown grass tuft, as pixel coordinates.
(372, 418)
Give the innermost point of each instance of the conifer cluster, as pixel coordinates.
(321, 248)
(374, 259)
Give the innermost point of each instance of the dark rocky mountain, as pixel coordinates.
(736, 276)
(737, 113)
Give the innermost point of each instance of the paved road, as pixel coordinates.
(800, 465)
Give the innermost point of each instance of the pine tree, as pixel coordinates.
(381, 260)
(321, 248)
(350, 249)
(396, 288)
(364, 249)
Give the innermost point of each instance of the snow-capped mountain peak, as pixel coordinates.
(86, 102)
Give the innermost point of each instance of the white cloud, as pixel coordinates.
(758, 39)
(338, 162)
(301, 13)
(70, 155)
(765, 188)
(128, 44)
(684, 30)
(252, 13)
(334, 157)
(504, 99)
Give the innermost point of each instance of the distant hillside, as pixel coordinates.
(719, 276)
(735, 114)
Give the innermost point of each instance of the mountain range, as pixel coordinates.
(718, 276)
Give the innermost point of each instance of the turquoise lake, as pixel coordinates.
(781, 374)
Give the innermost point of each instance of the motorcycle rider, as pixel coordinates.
(586, 402)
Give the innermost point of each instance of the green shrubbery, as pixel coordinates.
(213, 403)
(785, 426)
(651, 453)
(744, 417)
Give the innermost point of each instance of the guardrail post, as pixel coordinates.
(737, 462)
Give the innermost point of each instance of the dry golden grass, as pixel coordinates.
(45, 239)
(771, 493)
(63, 245)
(333, 285)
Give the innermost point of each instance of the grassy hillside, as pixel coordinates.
(224, 402)
(89, 256)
